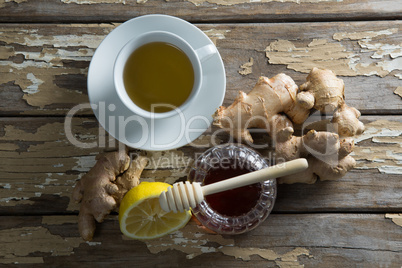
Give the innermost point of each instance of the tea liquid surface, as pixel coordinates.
(235, 202)
(158, 73)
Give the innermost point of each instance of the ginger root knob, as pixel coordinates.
(101, 190)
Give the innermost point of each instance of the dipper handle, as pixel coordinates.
(261, 175)
(182, 196)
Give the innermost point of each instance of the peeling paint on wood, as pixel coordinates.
(386, 152)
(23, 242)
(194, 240)
(318, 53)
(44, 132)
(396, 218)
(247, 68)
(43, 169)
(380, 49)
(377, 50)
(6, 52)
(363, 35)
(84, 163)
(190, 240)
(53, 62)
(215, 34)
(286, 260)
(237, 2)
(24, 191)
(3, 2)
(31, 37)
(88, 2)
(36, 80)
(326, 238)
(383, 58)
(398, 91)
(39, 89)
(195, 2)
(35, 74)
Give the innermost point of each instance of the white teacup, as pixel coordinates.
(196, 56)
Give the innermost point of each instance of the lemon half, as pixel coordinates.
(141, 217)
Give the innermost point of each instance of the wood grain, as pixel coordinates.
(291, 240)
(44, 66)
(39, 163)
(211, 10)
(45, 51)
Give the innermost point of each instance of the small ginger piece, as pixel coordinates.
(321, 143)
(101, 190)
(322, 91)
(325, 92)
(346, 121)
(328, 157)
(333, 167)
(130, 178)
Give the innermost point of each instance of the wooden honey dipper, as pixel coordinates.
(183, 196)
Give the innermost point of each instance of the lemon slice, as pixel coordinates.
(141, 217)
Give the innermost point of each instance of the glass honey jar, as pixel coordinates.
(238, 210)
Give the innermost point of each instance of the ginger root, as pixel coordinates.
(257, 109)
(327, 156)
(346, 121)
(101, 190)
(275, 105)
(325, 92)
(322, 91)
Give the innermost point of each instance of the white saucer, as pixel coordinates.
(144, 133)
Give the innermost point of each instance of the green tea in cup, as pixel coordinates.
(159, 74)
(158, 77)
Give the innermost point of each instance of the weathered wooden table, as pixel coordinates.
(45, 50)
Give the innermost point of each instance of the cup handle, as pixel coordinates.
(206, 52)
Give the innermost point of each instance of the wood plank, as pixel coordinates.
(292, 240)
(43, 67)
(38, 163)
(198, 10)
(43, 72)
